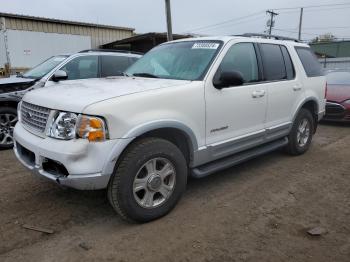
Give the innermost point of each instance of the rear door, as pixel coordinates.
(284, 88)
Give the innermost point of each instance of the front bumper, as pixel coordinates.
(337, 112)
(74, 163)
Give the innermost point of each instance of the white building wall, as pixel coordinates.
(100, 34)
(28, 48)
(2, 50)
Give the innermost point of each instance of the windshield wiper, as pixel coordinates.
(145, 75)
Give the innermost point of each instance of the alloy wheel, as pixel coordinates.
(154, 183)
(303, 133)
(7, 125)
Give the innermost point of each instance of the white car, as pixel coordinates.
(188, 107)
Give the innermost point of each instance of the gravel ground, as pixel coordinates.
(258, 211)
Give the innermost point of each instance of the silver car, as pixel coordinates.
(83, 65)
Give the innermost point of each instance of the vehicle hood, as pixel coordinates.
(338, 93)
(12, 84)
(75, 95)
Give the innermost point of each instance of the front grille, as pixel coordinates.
(334, 109)
(34, 117)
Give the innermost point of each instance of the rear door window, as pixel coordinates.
(114, 65)
(273, 62)
(310, 63)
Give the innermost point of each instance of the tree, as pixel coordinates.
(328, 37)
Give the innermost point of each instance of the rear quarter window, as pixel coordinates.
(273, 62)
(310, 63)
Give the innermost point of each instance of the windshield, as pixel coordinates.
(338, 78)
(188, 60)
(42, 69)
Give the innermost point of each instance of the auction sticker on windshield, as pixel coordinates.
(204, 45)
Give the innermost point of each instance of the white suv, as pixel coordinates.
(188, 107)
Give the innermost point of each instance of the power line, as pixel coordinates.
(231, 25)
(311, 6)
(313, 10)
(327, 9)
(227, 21)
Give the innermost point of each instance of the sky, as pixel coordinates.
(230, 17)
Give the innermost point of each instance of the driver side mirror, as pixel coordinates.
(59, 75)
(228, 79)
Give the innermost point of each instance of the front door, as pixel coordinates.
(235, 116)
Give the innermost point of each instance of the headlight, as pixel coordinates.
(92, 128)
(67, 126)
(63, 126)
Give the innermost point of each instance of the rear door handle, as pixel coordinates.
(297, 87)
(258, 93)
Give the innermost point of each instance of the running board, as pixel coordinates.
(220, 164)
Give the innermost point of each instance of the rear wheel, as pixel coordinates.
(148, 181)
(8, 120)
(301, 134)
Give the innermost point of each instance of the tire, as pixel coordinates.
(8, 120)
(300, 141)
(138, 201)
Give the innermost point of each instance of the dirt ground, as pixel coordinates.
(257, 211)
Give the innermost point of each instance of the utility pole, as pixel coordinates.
(168, 20)
(272, 22)
(300, 22)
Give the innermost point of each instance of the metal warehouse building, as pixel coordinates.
(26, 40)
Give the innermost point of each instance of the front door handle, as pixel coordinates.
(258, 93)
(297, 87)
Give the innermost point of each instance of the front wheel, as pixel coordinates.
(148, 181)
(300, 136)
(8, 120)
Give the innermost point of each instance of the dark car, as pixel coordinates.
(338, 96)
(82, 65)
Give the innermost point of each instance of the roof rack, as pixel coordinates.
(276, 37)
(111, 50)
